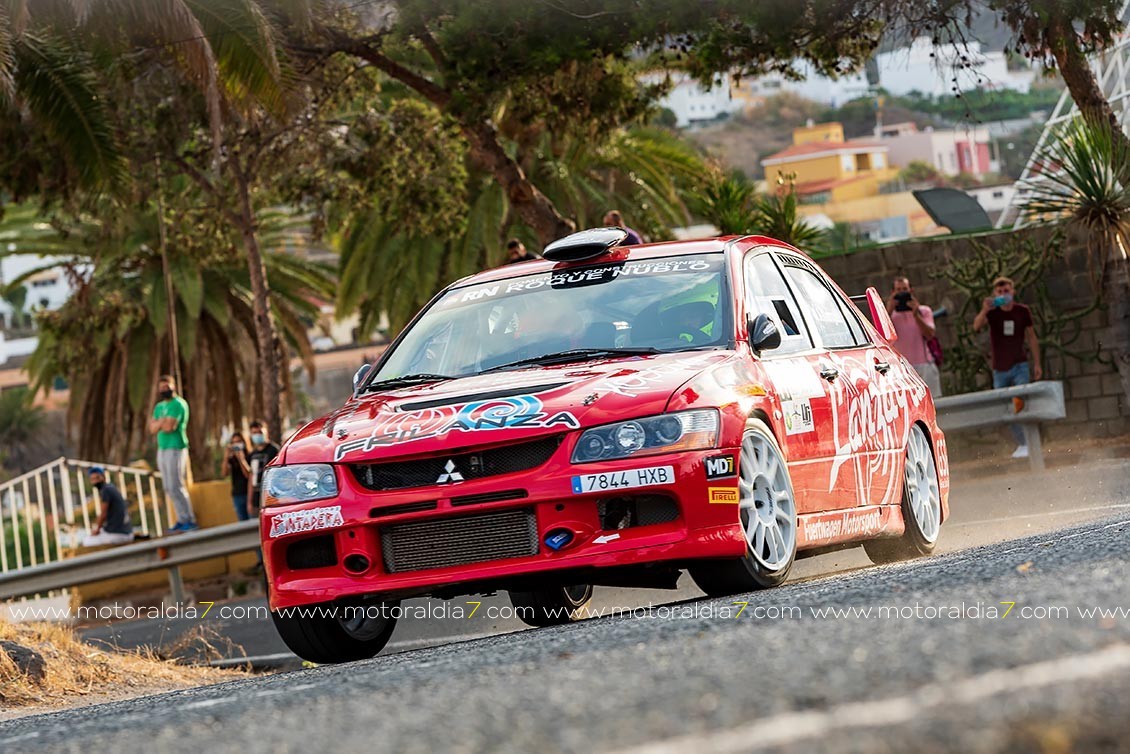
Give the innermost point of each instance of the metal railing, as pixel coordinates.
(1038, 401)
(46, 512)
(124, 560)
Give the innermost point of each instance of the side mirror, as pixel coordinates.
(880, 317)
(763, 334)
(360, 376)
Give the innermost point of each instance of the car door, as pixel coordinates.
(806, 398)
(843, 362)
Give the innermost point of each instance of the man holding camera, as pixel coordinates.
(1010, 328)
(914, 324)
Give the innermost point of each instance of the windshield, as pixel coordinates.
(667, 304)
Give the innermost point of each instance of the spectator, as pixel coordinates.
(914, 324)
(263, 452)
(113, 526)
(1010, 327)
(237, 467)
(517, 252)
(613, 218)
(170, 423)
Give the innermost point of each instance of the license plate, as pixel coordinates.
(619, 480)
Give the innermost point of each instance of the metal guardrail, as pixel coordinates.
(1043, 401)
(47, 510)
(140, 557)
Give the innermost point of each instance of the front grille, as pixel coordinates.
(395, 475)
(396, 510)
(312, 552)
(489, 497)
(445, 542)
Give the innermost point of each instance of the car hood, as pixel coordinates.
(496, 408)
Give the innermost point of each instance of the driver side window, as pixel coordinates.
(767, 293)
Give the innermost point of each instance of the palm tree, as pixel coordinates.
(20, 425)
(388, 276)
(56, 57)
(733, 206)
(1085, 182)
(112, 338)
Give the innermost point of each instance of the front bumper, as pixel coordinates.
(697, 528)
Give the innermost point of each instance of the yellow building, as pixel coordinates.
(847, 181)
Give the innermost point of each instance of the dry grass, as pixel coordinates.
(77, 671)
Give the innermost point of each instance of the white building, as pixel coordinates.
(995, 199)
(691, 102)
(48, 289)
(920, 67)
(938, 71)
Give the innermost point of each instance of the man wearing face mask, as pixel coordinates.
(1010, 328)
(113, 526)
(170, 424)
(263, 452)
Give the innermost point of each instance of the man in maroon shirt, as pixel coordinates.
(1010, 328)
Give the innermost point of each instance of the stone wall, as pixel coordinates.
(1096, 404)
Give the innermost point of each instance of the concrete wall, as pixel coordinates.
(1096, 406)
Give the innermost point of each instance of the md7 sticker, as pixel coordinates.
(618, 480)
(296, 522)
(798, 417)
(720, 467)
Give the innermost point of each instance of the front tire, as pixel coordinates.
(325, 639)
(921, 506)
(551, 607)
(767, 514)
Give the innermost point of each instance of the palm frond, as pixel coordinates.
(55, 83)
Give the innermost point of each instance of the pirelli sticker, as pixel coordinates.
(724, 495)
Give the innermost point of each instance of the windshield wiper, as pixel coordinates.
(408, 379)
(574, 354)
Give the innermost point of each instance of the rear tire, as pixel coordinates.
(921, 506)
(767, 515)
(325, 640)
(551, 607)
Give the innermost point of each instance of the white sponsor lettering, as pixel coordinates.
(295, 522)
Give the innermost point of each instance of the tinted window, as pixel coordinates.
(768, 293)
(827, 316)
(670, 303)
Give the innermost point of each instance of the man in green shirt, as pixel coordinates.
(170, 424)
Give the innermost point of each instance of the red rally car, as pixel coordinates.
(609, 415)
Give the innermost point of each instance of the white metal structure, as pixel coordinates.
(1112, 69)
(45, 512)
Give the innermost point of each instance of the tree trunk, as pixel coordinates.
(1118, 308)
(267, 358)
(1061, 39)
(534, 207)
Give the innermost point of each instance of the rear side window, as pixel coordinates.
(836, 327)
(767, 293)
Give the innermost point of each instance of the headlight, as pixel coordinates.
(298, 484)
(687, 430)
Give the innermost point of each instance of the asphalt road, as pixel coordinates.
(984, 511)
(929, 675)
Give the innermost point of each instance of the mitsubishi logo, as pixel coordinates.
(449, 474)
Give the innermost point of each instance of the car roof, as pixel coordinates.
(625, 253)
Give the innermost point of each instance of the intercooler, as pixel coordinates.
(444, 542)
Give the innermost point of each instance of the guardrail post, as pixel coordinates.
(176, 585)
(1035, 449)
